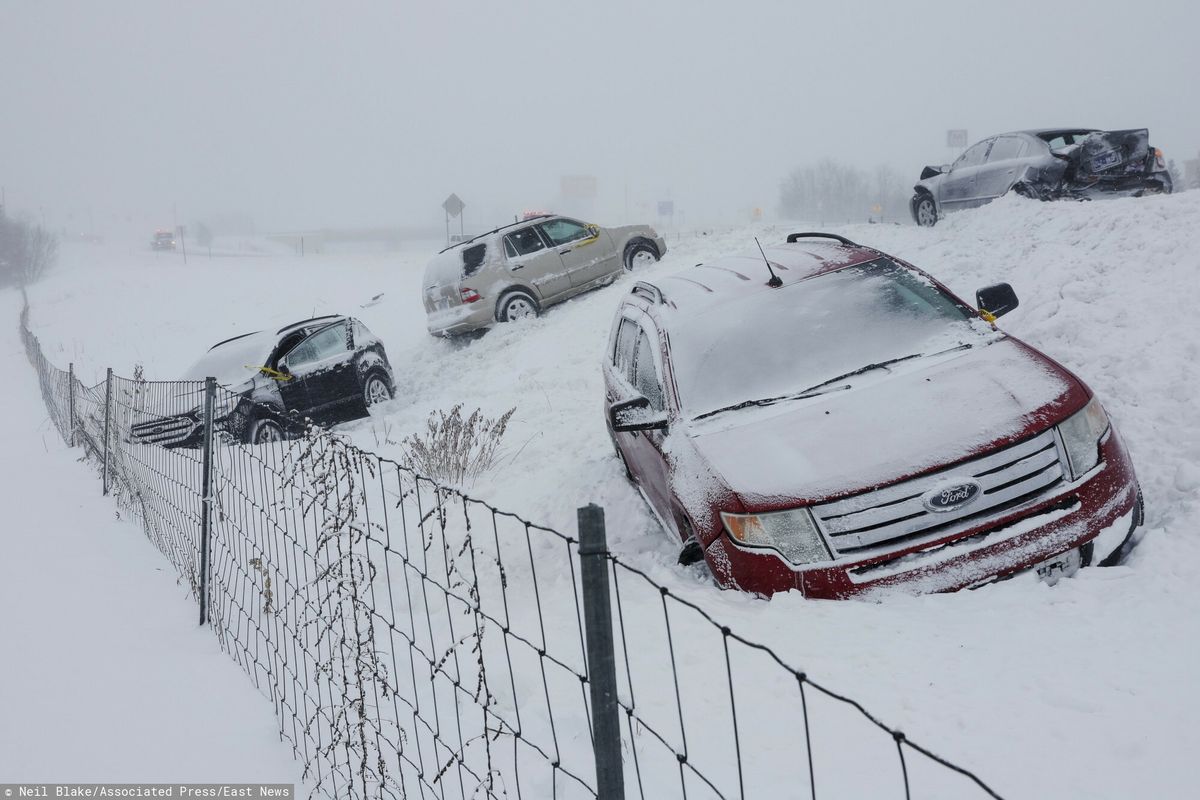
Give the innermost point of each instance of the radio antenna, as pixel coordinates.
(775, 281)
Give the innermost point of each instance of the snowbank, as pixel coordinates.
(1081, 690)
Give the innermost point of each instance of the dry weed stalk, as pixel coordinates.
(456, 451)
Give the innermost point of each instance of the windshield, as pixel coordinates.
(228, 362)
(777, 342)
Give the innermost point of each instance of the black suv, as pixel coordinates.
(328, 369)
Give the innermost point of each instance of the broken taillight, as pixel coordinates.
(469, 295)
(1159, 161)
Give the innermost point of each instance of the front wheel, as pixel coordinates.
(376, 390)
(925, 211)
(515, 306)
(640, 255)
(264, 431)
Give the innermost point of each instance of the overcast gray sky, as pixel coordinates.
(306, 113)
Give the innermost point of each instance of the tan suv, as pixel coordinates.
(517, 270)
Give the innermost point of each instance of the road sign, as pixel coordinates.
(956, 137)
(453, 205)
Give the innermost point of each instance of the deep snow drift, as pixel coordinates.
(105, 676)
(1079, 690)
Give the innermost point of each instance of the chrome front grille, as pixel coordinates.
(164, 430)
(895, 513)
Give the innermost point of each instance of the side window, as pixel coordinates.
(523, 242)
(974, 156)
(646, 378)
(318, 347)
(562, 231)
(623, 353)
(1005, 148)
(473, 259)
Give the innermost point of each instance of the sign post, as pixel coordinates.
(453, 206)
(956, 140)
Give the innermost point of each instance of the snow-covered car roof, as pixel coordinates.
(713, 283)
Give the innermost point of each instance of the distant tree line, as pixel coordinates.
(830, 191)
(26, 251)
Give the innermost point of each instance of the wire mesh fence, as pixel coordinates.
(417, 642)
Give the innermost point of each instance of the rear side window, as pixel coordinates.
(1006, 147)
(623, 353)
(646, 378)
(523, 242)
(473, 259)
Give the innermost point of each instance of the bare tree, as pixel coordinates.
(26, 251)
(833, 192)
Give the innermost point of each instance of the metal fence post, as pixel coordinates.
(210, 393)
(71, 400)
(107, 422)
(602, 662)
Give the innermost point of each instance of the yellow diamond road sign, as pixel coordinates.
(453, 205)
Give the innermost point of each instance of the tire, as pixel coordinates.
(376, 389)
(264, 430)
(639, 255)
(925, 210)
(1023, 190)
(516, 305)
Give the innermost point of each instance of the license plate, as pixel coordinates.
(1105, 160)
(1063, 565)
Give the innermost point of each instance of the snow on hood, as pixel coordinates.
(883, 429)
(232, 363)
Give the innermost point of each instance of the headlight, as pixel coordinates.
(1081, 437)
(223, 405)
(792, 534)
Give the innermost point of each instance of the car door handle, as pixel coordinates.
(517, 267)
(564, 252)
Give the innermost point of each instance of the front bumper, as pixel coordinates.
(1101, 508)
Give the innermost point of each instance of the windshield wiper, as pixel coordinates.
(819, 388)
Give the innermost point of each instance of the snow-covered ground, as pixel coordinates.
(105, 675)
(1082, 690)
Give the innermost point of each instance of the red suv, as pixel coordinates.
(831, 419)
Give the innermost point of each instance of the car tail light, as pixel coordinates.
(1159, 161)
(469, 295)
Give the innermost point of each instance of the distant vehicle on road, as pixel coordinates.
(853, 426)
(163, 240)
(1050, 164)
(519, 270)
(327, 369)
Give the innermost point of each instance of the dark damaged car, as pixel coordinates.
(1052, 164)
(328, 369)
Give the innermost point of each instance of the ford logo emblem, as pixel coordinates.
(951, 495)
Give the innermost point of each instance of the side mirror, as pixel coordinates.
(930, 172)
(996, 301)
(593, 231)
(636, 414)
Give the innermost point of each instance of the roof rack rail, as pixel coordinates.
(479, 236)
(310, 319)
(795, 237)
(649, 291)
